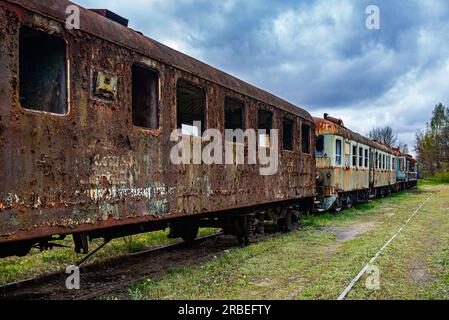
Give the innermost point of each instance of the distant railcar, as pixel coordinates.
(352, 168)
(85, 122)
(407, 172)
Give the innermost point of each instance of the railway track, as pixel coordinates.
(20, 289)
(116, 274)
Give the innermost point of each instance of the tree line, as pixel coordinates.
(432, 144)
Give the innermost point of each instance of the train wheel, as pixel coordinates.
(286, 224)
(296, 216)
(260, 223)
(246, 229)
(338, 205)
(243, 241)
(349, 202)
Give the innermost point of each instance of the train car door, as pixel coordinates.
(372, 172)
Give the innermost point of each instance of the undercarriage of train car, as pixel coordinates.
(244, 223)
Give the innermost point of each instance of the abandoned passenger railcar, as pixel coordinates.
(350, 167)
(86, 117)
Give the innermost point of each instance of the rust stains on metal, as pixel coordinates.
(108, 30)
(324, 126)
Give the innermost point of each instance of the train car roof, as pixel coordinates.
(114, 32)
(323, 126)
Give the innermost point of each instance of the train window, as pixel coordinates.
(384, 162)
(394, 164)
(354, 156)
(377, 160)
(145, 107)
(234, 114)
(348, 154)
(305, 138)
(287, 134)
(265, 120)
(320, 145)
(338, 151)
(361, 157)
(43, 72)
(366, 158)
(191, 105)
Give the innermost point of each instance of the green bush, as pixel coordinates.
(442, 177)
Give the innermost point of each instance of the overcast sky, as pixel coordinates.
(316, 54)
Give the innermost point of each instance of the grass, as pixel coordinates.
(442, 177)
(311, 264)
(439, 178)
(15, 269)
(316, 262)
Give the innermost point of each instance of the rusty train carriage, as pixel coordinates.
(79, 164)
(352, 168)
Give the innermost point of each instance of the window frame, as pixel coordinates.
(401, 164)
(361, 157)
(377, 160)
(309, 140)
(318, 138)
(204, 125)
(339, 156)
(159, 97)
(355, 158)
(366, 158)
(67, 60)
(292, 134)
(242, 102)
(347, 153)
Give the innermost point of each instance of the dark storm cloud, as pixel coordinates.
(316, 54)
